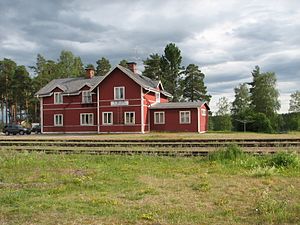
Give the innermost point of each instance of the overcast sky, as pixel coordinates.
(225, 38)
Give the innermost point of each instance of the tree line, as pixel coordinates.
(255, 107)
(17, 88)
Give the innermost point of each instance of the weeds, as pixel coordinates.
(270, 210)
(263, 171)
(231, 152)
(284, 160)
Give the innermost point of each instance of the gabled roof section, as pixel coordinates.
(69, 85)
(143, 81)
(178, 105)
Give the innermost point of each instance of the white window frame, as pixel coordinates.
(159, 118)
(55, 120)
(203, 112)
(58, 98)
(103, 116)
(182, 115)
(125, 116)
(86, 95)
(83, 121)
(157, 96)
(116, 89)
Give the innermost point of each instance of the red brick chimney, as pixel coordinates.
(132, 66)
(90, 72)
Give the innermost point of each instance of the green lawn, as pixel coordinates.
(81, 189)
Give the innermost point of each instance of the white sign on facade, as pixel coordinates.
(119, 103)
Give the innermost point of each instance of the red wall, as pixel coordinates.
(132, 94)
(172, 121)
(71, 108)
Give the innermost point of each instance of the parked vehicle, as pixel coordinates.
(36, 129)
(15, 129)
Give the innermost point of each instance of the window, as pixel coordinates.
(58, 98)
(203, 112)
(185, 117)
(119, 93)
(86, 97)
(107, 118)
(129, 117)
(157, 96)
(159, 118)
(86, 119)
(58, 120)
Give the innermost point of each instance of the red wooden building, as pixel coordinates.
(122, 101)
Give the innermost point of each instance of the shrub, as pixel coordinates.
(261, 123)
(284, 159)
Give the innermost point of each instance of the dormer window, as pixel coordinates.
(119, 93)
(58, 98)
(86, 97)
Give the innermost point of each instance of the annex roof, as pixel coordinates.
(69, 85)
(178, 105)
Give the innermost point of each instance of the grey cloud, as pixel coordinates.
(260, 33)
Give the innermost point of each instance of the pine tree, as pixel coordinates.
(153, 67)
(192, 85)
(123, 63)
(103, 66)
(171, 67)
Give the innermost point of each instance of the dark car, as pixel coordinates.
(36, 129)
(15, 129)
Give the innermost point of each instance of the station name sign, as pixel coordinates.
(119, 103)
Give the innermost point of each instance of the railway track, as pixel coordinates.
(162, 147)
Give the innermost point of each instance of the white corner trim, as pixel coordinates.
(98, 115)
(142, 112)
(41, 115)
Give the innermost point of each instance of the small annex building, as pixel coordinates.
(122, 101)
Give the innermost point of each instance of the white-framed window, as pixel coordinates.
(58, 98)
(185, 117)
(119, 93)
(107, 118)
(159, 117)
(86, 97)
(86, 119)
(58, 120)
(157, 97)
(129, 117)
(203, 112)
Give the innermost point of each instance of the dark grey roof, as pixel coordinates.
(73, 85)
(69, 85)
(144, 81)
(177, 105)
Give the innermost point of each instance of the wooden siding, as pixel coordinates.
(172, 122)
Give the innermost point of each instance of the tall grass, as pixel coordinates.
(231, 152)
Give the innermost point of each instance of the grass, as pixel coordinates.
(228, 188)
